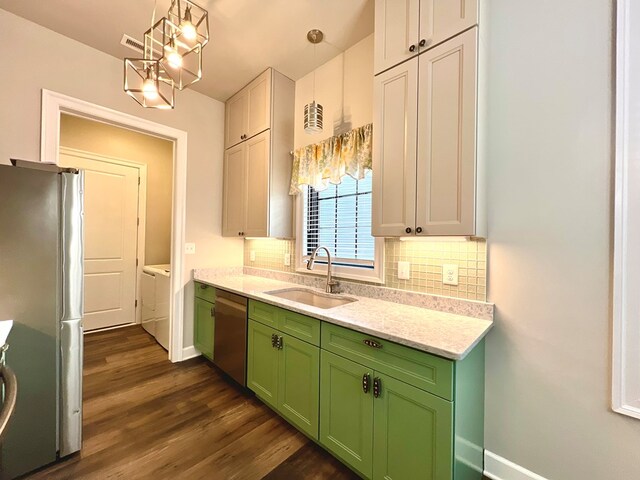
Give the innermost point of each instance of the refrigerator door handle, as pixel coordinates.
(72, 311)
(71, 386)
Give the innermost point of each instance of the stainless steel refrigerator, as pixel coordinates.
(41, 267)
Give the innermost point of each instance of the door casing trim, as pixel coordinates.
(53, 105)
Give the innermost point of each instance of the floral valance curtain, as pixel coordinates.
(327, 162)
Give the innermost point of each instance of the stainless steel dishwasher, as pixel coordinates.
(230, 335)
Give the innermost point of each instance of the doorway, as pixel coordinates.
(128, 223)
(53, 106)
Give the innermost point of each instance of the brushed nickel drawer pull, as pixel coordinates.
(372, 343)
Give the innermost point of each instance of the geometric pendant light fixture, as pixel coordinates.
(313, 111)
(172, 56)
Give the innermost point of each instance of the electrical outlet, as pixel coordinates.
(404, 270)
(189, 248)
(450, 274)
(252, 255)
(287, 259)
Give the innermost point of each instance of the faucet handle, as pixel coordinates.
(332, 285)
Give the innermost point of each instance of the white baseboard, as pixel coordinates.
(498, 468)
(189, 352)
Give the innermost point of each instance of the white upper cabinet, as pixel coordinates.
(404, 28)
(394, 151)
(248, 112)
(446, 173)
(397, 32)
(425, 167)
(257, 165)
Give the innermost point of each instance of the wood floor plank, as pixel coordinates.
(145, 417)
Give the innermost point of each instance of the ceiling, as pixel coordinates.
(247, 36)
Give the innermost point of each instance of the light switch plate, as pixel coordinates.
(189, 248)
(252, 255)
(450, 274)
(287, 259)
(404, 270)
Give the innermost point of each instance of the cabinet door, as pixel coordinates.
(204, 327)
(233, 186)
(236, 112)
(346, 412)
(446, 200)
(394, 152)
(298, 384)
(442, 19)
(259, 104)
(396, 30)
(262, 363)
(257, 181)
(413, 433)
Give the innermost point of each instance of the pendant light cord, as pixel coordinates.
(314, 71)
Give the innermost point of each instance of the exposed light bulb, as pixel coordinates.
(173, 57)
(187, 27)
(149, 87)
(188, 30)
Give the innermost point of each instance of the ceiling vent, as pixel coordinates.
(132, 43)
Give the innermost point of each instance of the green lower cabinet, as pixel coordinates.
(262, 363)
(285, 374)
(203, 327)
(298, 383)
(413, 433)
(346, 411)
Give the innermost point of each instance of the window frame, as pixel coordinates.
(371, 275)
(626, 242)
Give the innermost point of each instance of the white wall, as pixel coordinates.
(550, 202)
(34, 58)
(357, 82)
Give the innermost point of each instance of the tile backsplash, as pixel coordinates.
(426, 259)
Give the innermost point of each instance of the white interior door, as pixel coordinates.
(110, 241)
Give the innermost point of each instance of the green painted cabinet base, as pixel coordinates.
(346, 412)
(284, 372)
(203, 327)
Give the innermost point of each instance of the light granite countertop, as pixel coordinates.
(445, 334)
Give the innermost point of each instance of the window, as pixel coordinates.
(339, 218)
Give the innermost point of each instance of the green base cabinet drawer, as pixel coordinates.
(262, 363)
(205, 292)
(413, 433)
(263, 313)
(425, 371)
(300, 326)
(346, 412)
(204, 322)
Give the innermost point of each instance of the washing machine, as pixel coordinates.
(155, 298)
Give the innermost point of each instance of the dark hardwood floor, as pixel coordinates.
(145, 417)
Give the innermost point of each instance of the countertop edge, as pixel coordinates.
(448, 354)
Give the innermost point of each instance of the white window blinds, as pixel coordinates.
(339, 218)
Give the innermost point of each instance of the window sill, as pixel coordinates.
(339, 272)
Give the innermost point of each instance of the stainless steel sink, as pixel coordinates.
(309, 297)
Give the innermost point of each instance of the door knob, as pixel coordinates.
(408, 229)
(423, 42)
(419, 230)
(412, 48)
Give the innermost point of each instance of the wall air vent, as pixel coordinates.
(132, 43)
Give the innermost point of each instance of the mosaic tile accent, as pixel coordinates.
(426, 258)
